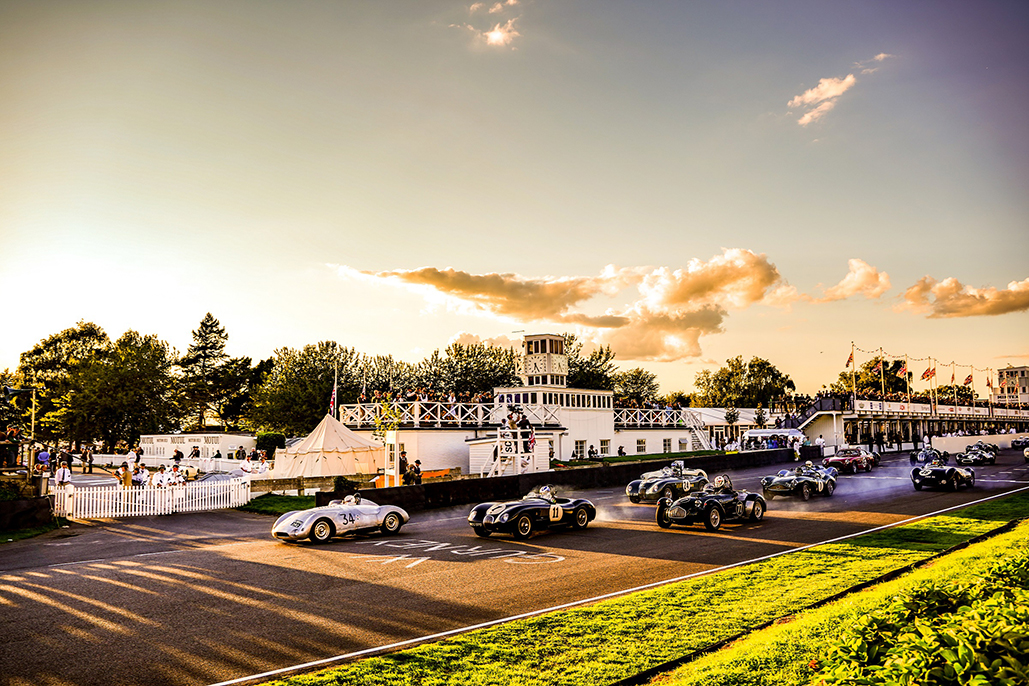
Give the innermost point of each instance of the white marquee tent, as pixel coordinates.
(330, 450)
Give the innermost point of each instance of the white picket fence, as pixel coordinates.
(91, 502)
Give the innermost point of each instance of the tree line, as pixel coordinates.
(90, 388)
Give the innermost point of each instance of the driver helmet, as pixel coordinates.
(546, 493)
(721, 481)
(349, 500)
(809, 464)
(357, 499)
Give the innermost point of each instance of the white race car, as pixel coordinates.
(350, 515)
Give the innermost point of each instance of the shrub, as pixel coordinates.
(969, 633)
(269, 441)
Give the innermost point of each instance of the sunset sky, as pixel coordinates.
(686, 182)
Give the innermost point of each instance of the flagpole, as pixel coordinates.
(853, 366)
(907, 378)
(882, 374)
(954, 383)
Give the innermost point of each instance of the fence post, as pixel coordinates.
(300, 485)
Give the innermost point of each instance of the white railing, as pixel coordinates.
(88, 502)
(634, 416)
(417, 413)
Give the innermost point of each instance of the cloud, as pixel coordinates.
(501, 34)
(822, 98)
(861, 279)
(949, 298)
(465, 338)
(826, 89)
(670, 311)
(816, 113)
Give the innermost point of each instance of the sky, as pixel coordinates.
(685, 182)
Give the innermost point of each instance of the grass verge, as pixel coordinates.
(271, 504)
(615, 639)
(20, 534)
(793, 651)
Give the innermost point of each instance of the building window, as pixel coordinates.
(666, 445)
(641, 445)
(605, 446)
(580, 450)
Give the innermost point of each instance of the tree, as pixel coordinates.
(201, 366)
(50, 366)
(732, 415)
(473, 368)
(740, 384)
(680, 398)
(295, 393)
(635, 386)
(595, 371)
(869, 381)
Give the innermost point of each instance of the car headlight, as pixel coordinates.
(504, 517)
(296, 524)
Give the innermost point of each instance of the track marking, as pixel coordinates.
(614, 594)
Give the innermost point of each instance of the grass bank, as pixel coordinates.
(798, 649)
(271, 504)
(615, 639)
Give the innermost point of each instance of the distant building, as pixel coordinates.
(1012, 386)
(209, 442)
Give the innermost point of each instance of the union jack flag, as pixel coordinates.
(850, 361)
(968, 380)
(903, 371)
(989, 382)
(928, 373)
(332, 402)
(878, 367)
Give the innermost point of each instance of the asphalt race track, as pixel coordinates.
(204, 598)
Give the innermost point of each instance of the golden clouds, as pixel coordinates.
(949, 298)
(667, 311)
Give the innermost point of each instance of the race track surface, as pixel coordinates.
(210, 597)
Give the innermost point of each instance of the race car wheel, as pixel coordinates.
(580, 518)
(953, 482)
(634, 498)
(668, 493)
(758, 513)
(713, 519)
(481, 531)
(663, 520)
(391, 523)
(523, 527)
(868, 466)
(829, 488)
(322, 531)
(805, 492)
(971, 480)
(918, 486)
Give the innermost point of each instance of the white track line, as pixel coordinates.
(614, 594)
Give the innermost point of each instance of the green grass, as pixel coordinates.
(271, 504)
(20, 534)
(611, 640)
(793, 651)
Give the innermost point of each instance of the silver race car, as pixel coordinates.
(350, 515)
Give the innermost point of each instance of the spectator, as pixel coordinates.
(417, 471)
(43, 459)
(63, 476)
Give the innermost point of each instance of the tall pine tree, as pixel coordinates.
(201, 368)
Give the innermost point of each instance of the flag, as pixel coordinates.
(332, 402)
(928, 373)
(903, 371)
(850, 361)
(1003, 383)
(968, 380)
(989, 382)
(952, 377)
(878, 367)
(532, 440)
